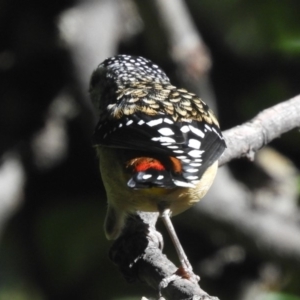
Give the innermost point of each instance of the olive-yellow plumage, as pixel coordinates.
(158, 145)
(122, 200)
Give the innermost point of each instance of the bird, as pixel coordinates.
(158, 145)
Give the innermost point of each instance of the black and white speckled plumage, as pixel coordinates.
(140, 110)
(127, 69)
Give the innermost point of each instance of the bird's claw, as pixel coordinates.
(165, 282)
(187, 273)
(180, 273)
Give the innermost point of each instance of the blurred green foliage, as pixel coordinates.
(252, 29)
(278, 296)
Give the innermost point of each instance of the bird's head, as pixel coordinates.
(121, 72)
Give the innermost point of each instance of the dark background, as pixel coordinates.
(52, 201)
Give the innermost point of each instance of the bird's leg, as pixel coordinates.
(186, 270)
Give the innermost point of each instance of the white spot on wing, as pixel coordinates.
(160, 177)
(192, 177)
(141, 122)
(186, 161)
(129, 122)
(166, 120)
(166, 131)
(163, 139)
(207, 127)
(147, 176)
(198, 160)
(195, 153)
(154, 122)
(185, 129)
(195, 181)
(195, 164)
(221, 137)
(194, 144)
(120, 125)
(183, 184)
(192, 170)
(196, 131)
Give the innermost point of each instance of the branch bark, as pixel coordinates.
(186, 45)
(139, 257)
(148, 264)
(246, 139)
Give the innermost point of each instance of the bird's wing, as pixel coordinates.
(189, 134)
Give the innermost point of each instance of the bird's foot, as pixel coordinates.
(182, 272)
(165, 282)
(187, 273)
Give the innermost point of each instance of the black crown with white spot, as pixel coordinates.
(128, 69)
(142, 111)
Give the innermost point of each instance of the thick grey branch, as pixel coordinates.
(271, 123)
(139, 257)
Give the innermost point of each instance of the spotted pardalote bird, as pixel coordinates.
(158, 145)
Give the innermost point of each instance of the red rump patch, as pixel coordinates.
(144, 163)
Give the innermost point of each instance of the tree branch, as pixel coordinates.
(246, 139)
(187, 47)
(139, 257)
